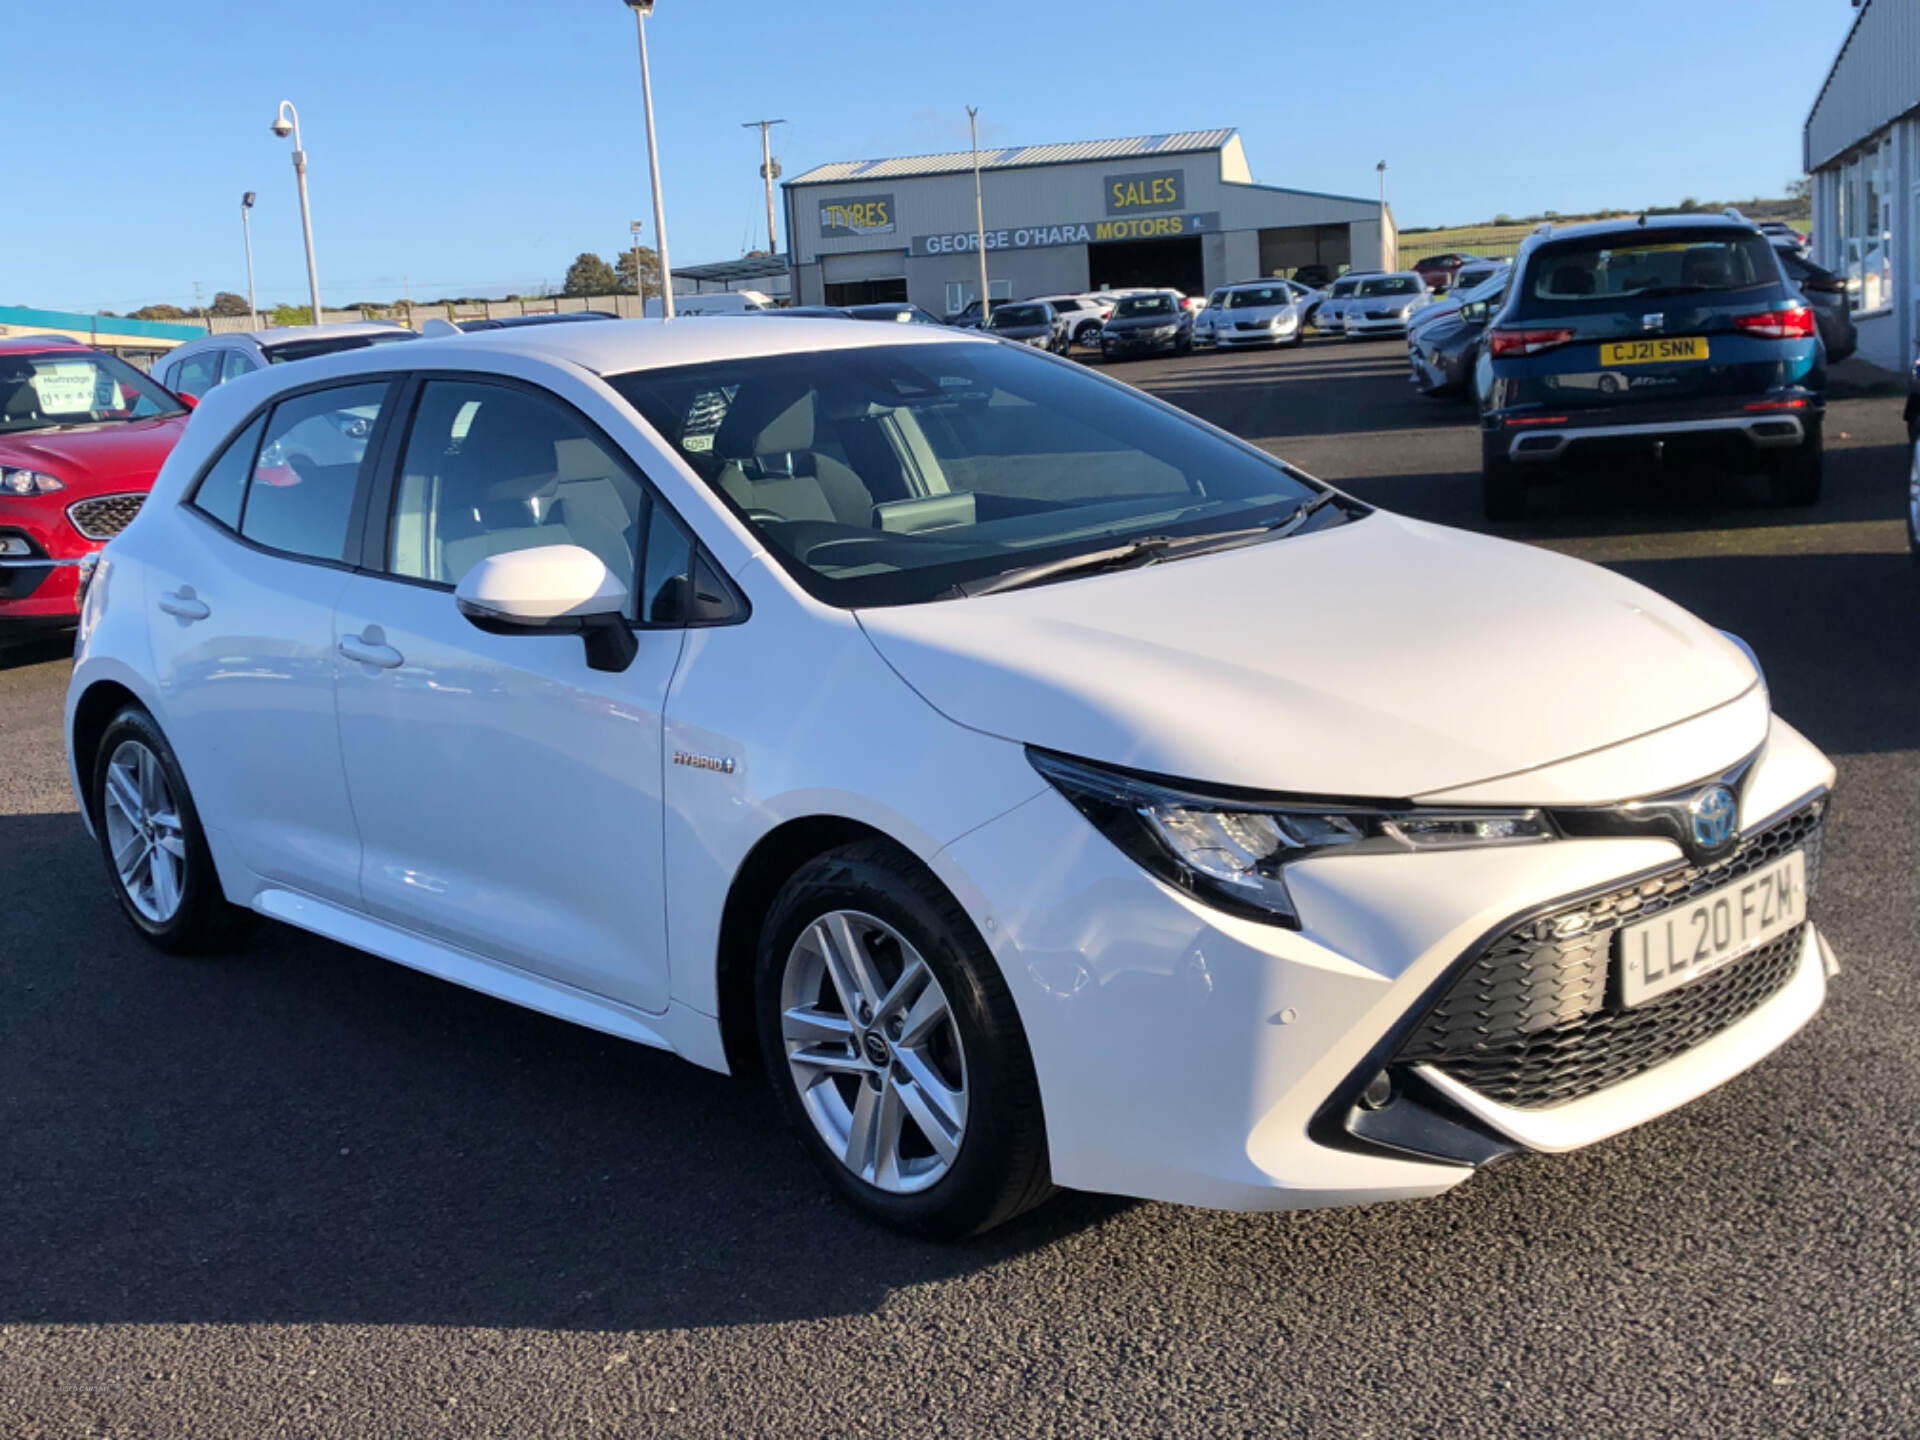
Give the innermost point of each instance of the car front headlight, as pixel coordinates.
(1231, 852)
(28, 482)
(1165, 332)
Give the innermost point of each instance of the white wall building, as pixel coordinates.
(1179, 210)
(1862, 148)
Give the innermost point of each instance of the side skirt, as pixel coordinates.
(686, 1032)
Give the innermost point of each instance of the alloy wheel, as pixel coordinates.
(144, 832)
(874, 1052)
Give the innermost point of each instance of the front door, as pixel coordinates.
(508, 796)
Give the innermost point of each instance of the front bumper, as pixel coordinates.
(1360, 325)
(1265, 335)
(1126, 345)
(1188, 1055)
(42, 588)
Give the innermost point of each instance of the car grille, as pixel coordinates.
(1381, 315)
(104, 516)
(1535, 1020)
(1250, 325)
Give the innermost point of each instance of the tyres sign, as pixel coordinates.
(857, 215)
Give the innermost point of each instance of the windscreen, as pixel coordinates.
(1143, 305)
(75, 387)
(1651, 264)
(1389, 285)
(1343, 288)
(291, 350)
(887, 474)
(1265, 296)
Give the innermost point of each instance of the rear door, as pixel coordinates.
(241, 620)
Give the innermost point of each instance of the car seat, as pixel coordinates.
(769, 464)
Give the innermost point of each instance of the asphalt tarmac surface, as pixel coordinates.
(303, 1192)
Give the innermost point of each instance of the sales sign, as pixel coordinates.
(1148, 190)
(857, 215)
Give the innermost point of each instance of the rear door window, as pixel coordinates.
(238, 363)
(301, 493)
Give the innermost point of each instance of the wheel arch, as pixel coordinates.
(92, 711)
(772, 861)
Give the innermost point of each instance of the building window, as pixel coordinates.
(1864, 205)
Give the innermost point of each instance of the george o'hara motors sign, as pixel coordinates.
(1083, 232)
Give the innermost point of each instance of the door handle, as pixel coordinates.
(183, 604)
(371, 652)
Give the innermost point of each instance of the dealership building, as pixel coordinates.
(1862, 148)
(1175, 210)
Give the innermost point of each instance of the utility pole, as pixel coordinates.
(767, 170)
(979, 209)
(286, 121)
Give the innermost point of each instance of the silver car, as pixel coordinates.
(1257, 312)
(200, 365)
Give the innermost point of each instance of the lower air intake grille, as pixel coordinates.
(104, 516)
(1535, 1020)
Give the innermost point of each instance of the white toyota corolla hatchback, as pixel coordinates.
(1046, 787)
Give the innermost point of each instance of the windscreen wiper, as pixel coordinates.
(1147, 550)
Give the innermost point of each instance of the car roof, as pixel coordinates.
(1643, 222)
(35, 344)
(292, 334)
(622, 345)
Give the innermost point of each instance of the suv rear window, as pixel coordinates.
(1609, 267)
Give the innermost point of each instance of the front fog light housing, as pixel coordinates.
(1231, 851)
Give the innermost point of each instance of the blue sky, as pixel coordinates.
(476, 146)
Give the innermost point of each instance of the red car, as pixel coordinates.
(1438, 270)
(82, 434)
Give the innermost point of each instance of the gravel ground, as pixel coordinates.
(306, 1193)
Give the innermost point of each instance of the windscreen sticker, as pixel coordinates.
(65, 389)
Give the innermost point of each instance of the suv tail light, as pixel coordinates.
(1525, 342)
(1794, 322)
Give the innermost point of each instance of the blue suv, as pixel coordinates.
(1671, 335)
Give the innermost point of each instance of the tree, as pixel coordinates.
(649, 272)
(1801, 189)
(589, 275)
(292, 315)
(226, 302)
(159, 312)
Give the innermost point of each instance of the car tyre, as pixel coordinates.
(1088, 335)
(154, 846)
(882, 914)
(1503, 491)
(1795, 478)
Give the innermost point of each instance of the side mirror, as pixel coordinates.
(190, 401)
(1474, 312)
(552, 590)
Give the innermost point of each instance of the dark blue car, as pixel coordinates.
(1671, 336)
(1913, 457)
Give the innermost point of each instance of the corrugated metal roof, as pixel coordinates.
(1067, 153)
(1874, 80)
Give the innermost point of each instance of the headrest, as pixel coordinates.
(763, 422)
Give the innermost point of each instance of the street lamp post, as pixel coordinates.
(641, 9)
(246, 232)
(979, 210)
(634, 228)
(287, 122)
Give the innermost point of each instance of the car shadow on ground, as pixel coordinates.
(300, 1132)
(19, 654)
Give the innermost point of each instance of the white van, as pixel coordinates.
(727, 302)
